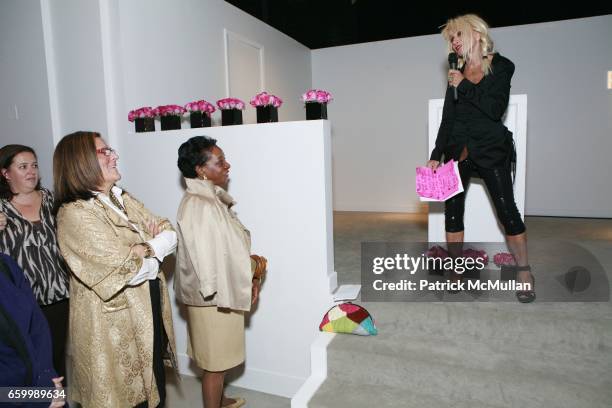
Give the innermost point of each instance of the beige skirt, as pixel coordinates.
(215, 337)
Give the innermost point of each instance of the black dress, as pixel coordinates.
(474, 122)
(475, 119)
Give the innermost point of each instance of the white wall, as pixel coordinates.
(379, 118)
(23, 82)
(82, 64)
(173, 52)
(76, 49)
(379, 115)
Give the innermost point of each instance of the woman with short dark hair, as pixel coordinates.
(214, 277)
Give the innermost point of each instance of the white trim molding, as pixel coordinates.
(47, 27)
(227, 34)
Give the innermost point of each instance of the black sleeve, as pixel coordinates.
(490, 95)
(446, 126)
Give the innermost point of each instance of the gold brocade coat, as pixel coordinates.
(111, 325)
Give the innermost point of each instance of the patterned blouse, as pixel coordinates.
(34, 246)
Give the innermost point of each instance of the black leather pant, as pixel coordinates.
(499, 184)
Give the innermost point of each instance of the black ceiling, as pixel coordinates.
(327, 23)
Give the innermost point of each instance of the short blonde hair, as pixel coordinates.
(467, 25)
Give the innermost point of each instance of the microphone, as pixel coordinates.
(453, 60)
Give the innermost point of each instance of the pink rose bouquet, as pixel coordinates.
(475, 254)
(230, 103)
(317, 95)
(169, 110)
(200, 106)
(265, 99)
(437, 252)
(503, 258)
(144, 112)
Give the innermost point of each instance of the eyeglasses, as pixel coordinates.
(107, 151)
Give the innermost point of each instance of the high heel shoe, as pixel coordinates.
(238, 402)
(526, 296)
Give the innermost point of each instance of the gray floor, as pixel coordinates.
(186, 393)
(475, 354)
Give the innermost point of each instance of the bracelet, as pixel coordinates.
(148, 250)
(260, 266)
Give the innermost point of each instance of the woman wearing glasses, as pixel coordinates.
(27, 234)
(120, 320)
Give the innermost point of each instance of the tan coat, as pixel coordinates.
(213, 265)
(111, 325)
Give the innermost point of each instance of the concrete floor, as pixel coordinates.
(186, 393)
(460, 353)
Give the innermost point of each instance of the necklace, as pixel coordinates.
(116, 202)
(31, 208)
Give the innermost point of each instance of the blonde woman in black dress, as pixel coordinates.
(472, 133)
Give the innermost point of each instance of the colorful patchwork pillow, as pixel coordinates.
(348, 318)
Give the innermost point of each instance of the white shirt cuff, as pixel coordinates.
(148, 270)
(163, 244)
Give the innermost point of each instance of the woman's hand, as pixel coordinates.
(3, 221)
(433, 164)
(140, 250)
(255, 291)
(153, 228)
(454, 77)
(60, 402)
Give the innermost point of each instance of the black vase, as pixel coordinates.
(267, 113)
(316, 110)
(170, 122)
(199, 119)
(231, 117)
(144, 124)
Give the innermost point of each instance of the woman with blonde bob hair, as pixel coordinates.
(473, 134)
(120, 319)
(469, 27)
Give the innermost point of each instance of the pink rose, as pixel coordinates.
(503, 258)
(144, 112)
(200, 106)
(266, 99)
(475, 253)
(317, 95)
(230, 103)
(437, 252)
(166, 110)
